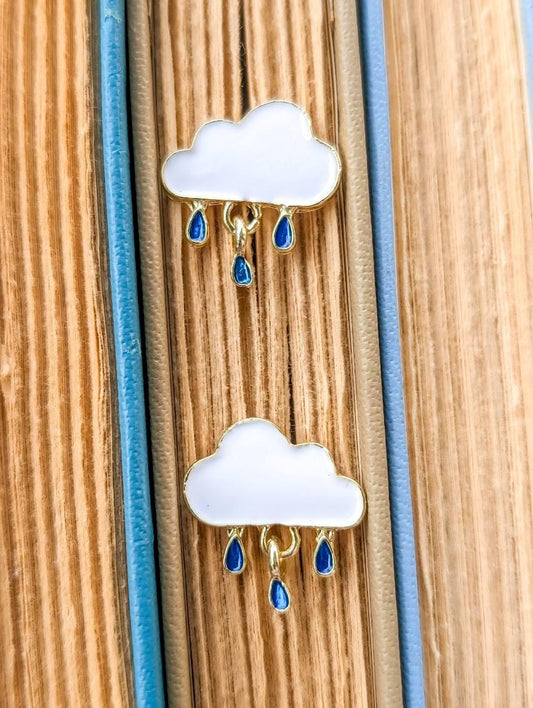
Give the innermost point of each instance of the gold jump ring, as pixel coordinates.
(289, 551)
(251, 226)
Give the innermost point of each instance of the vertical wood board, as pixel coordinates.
(279, 351)
(64, 637)
(464, 229)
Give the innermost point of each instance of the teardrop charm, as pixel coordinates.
(241, 272)
(324, 559)
(278, 595)
(283, 234)
(234, 555)
(197, 230)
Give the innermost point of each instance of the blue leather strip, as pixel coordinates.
(144, 619)
(380, 175)
(527, 35)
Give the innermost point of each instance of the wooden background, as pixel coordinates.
(279, 351)
(461, 153)
(462, 179)
(64, 637)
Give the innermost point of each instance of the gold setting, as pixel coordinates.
(317, 205)
(291, 549)
(264, 420)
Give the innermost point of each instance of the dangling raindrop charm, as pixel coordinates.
(197, 231)
(283, 236)
(241, 272)
(324, 558)
(279, 595)
(234, 555)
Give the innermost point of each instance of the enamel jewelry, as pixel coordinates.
(256, 477)
(270, 159)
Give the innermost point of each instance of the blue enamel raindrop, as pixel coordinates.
(324, 559)
(242, 273)
(279, 595)
(283, 234)
(234, 555)
(197, 228)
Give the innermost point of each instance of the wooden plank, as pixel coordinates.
(279, 351)
(464, 220)
(63, 602)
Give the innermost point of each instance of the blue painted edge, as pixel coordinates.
(374, 69)
(527, 38)
(142, 592)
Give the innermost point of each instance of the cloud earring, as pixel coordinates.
(256, 477)
(271, 158)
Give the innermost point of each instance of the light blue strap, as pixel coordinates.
(527, 34)
(148, 682)
(380, 176)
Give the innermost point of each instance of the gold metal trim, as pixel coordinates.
(291, 549)
(261, 204)
(264, 420)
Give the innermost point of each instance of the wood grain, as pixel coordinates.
(63, 603)
(464, 221)
(279, 351)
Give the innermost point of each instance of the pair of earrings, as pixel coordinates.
(256, 477)
(269, 159)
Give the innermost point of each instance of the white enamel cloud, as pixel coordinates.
(270, 157)
(258, 478)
